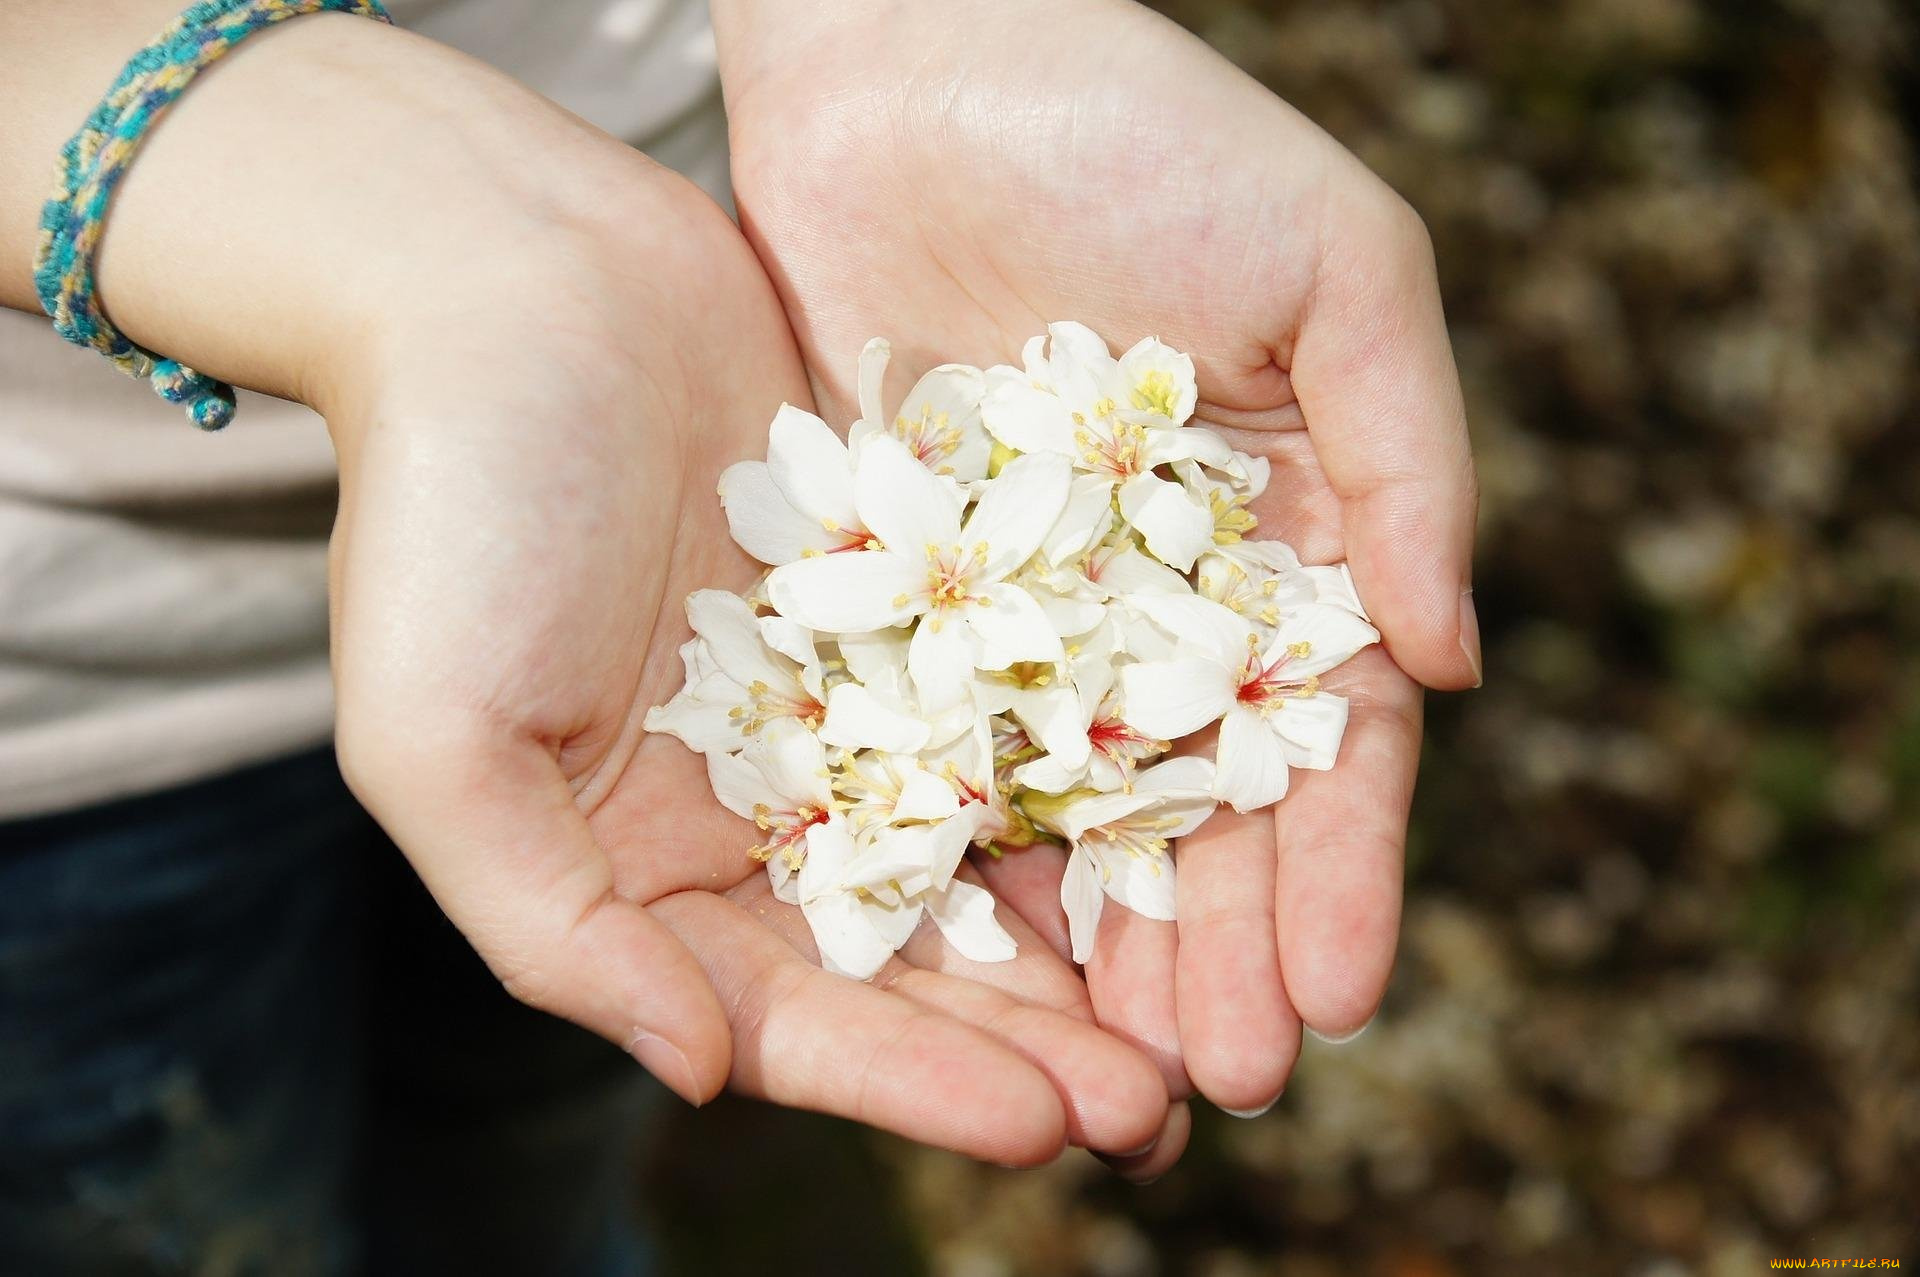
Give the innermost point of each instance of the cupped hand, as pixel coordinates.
(528, 496)
(956, 176)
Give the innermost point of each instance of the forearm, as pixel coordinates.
(307, 200)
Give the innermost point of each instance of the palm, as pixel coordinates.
(1138, 185)
(494, 673)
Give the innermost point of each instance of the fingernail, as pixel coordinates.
(1249, 1114)
(1470, 634)
(666, 1062)
(1342, 1039)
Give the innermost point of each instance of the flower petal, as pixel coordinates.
(794, 764)
(1310, 728)
(1049, 774)
(1173, 394)
(1082, 814)
(701, 716)
(1188, 776)
(902, 502)
(1189, 443)
(1331, 635)
(1250, 767)
(964, 914)
(895, 923)
(927, 855)
(1200, 625)
(1024, 417)
(830, 850)
(1011, 627)
(874, 357)
(1084, 519)
(875, 655)
(1019, 507)
(791, 640)
(1171, 699)
(1082, 899)
(859, 590)
(1067, 615)
(1125, 570)
(785, 880)
(1143, 883)
(1079, 365)
(941, 417)
(761, 521)
(1056, 721)
(1177, 528)
(738, 784)
(849, 943)
(857, 719)
(1333, 586)
(940, 658)
(811, 468)
(924, 796)
(732, 630)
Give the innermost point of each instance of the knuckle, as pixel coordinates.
(526, 986)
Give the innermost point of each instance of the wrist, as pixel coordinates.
(310, 191)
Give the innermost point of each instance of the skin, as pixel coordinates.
(535, 351)
(955, 176)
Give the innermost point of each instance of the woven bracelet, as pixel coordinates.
(95, 159)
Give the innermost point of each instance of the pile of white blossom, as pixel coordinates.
(988, 614)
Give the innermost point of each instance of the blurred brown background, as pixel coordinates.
(1656, 1006)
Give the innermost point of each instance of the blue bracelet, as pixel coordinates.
(95, 159)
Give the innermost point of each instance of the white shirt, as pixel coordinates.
(162, 591)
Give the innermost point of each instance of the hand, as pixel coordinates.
(536, 351)
(528, 497)
(953, 177)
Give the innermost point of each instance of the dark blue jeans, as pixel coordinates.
(237, 1037)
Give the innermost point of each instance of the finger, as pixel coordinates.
(1035, 1005)
(1374, 374)
(810, 1039)
(1145, 1167)
(1114, 1098)
(1036, 975)
(1239, 1035)
(1027, 880)
(493, 832)
(1342, 842)
(1112, 1095)
(1130, 977)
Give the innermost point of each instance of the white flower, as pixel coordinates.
(1227, 496)
(939, 421)
(930, 567)
(1114, 747)
(879, 788)
(1045, 700)
(799, 501)
(863, 902)
(744, 672)
(1120, 843)
(781, 783)
(985, 617)
(1264, 581)
(1120, 419)
(1272, 712)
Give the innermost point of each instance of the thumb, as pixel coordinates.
(1374, 375)
(492, 829)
